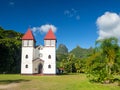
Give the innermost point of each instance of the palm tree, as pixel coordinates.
(108, 48)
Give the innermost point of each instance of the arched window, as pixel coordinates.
(49, 66)
(39, 48)
(26, 56)
(26, 66)
(49, 57)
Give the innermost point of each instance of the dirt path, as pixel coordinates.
(8, 86)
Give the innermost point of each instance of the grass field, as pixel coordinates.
(60, 82)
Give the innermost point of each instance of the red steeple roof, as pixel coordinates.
(28, 35)
(50, 35)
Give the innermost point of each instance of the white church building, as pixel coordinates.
(38, 59)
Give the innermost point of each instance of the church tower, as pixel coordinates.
(50, 51)
(28, 44)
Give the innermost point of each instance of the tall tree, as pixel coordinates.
(109, 48)
(101, 64)
(69, 63)
(10, 51)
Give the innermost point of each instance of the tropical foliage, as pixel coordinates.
(100, 64)
(104, 62)
(10, 51)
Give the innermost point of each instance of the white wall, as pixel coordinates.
(50, 42)
(36, 53)
(46, 52)
(27, 61)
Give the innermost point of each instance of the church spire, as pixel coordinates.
(50, 35)
(28, 35)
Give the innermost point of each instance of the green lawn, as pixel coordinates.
(60, 82)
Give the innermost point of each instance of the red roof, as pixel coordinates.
(28, 35)
(50, 35)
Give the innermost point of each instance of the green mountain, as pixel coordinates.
(81, 52)
(62, 49)
(61, 52)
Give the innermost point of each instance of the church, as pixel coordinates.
(38, 59)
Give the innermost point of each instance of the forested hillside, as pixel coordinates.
(10, 51)
(81, 52)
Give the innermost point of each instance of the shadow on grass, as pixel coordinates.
(68, 74)
(13, 81)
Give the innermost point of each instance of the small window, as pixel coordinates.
(49, 57)
(35, 69)
(39, 48)
(49, 66)
(26, 56)
(26, 66)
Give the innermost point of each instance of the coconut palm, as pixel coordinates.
(108, 48)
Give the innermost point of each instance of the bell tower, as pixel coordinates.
(50, 39)
(50, 52)
(28, 44)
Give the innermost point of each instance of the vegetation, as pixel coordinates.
(62, 49)
(10, 51)
(100, 64)
(104, 62)
(62, 82)
(81, 52)
(62, 52)
(73, 61)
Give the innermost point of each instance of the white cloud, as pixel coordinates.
(108, 25)
(44, 28)
(72, 13)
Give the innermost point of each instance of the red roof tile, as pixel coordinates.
(50, 35)
(28, 35)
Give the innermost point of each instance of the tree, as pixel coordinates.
(69, 63)
(61, 53)
(10, 51)
(101, 63)
(80, 65)
(109, 49)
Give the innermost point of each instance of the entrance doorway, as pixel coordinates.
(40, 68)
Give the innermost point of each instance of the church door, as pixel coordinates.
(40, 68)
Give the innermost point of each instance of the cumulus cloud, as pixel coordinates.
(108, 25)
(72, 13)
(44, 28)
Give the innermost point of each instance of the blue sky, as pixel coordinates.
(76, 21)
